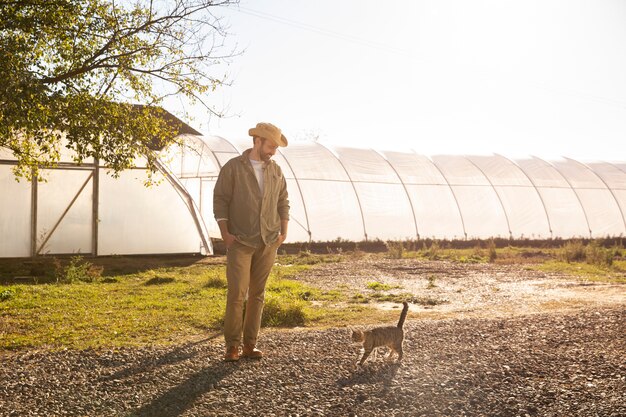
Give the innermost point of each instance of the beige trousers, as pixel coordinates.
(247, 270)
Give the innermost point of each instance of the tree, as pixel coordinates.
(73, 71)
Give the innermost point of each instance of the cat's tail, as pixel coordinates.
(405, 310)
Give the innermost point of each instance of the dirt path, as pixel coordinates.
(467, 290)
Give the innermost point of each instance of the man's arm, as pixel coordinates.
(222, 196)
(283, 209)
(226, 236)
(283, 230)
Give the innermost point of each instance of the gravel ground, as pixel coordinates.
(541, 363)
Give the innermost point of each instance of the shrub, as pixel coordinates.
(472, 259)
(359, 298)
(78, 270)
(283, 313)
(491, 247)
(433, 252)
(427, 301)
(618, 250)
(6, 294)
(431, 281)
(594, 253)
(573, 251)
(395, 250)
(379, 286)
(598, 255)
(290, 290)
(160, 280)
(216, 281)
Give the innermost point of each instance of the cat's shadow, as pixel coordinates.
(371, 373)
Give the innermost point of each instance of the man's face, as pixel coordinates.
(267, 149)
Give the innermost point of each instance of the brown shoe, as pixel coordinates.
(250, 351)
(232, 354)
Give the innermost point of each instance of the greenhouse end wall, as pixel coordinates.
(81, 209)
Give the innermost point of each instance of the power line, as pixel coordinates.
(325, 32)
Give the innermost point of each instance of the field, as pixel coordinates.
(491, 331)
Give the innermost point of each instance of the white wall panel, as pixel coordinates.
(603, 213)
(459, 171)
(224, 157)
(620, 196)
(15, 213)
(206, 209)
(143, 220)
(313, 161)
(378, 201)
(578, 175)
(436, 212)
(525, 211)
(415, 169)
(565, 211)
(482, 212)
(74, 232)
(500, 171)
(6, 154)
(610, 174)
(218, 144)
(298, 224)
(333, 210)
(366, 165)
(541, 173)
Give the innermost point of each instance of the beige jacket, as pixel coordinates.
(253, 218)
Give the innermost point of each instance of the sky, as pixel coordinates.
(476, 77)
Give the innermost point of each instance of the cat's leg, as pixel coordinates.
(391, 349)
(399, 351)
(366, 353)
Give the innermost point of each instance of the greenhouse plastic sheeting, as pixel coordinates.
(335, 193)
(358, 194)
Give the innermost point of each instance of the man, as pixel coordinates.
(251, 207)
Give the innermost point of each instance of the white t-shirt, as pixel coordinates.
(258, 172)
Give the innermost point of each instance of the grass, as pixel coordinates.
(436, 252)
(137, 309)
(133, 301)
(599, 273)
(379, 286)
(156, 306)
(570, 252)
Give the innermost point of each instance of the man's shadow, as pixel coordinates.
(178, 354)
(181, 397)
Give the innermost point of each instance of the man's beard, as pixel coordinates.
(265, 157)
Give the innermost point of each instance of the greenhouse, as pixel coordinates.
(334, 192)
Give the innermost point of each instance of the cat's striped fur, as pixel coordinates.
(391, 336)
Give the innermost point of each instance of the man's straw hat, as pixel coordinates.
(269, 131)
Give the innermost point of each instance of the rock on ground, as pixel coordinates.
(552, 364)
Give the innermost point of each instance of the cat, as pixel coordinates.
(391, 336)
